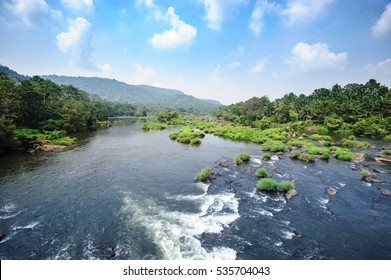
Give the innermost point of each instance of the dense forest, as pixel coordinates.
(359, 109)
(35, 108)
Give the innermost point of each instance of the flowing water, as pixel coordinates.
(124, 193)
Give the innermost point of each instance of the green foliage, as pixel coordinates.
(317, 137)
(166, 116)
(387, 138)
(187, 135)
(285, 186)
(203, 175)
(325, 155)
(386, 152)
(299, 143)
(317, 150)
(261, 172)
(266, 156)
(241, 158)
(365, 173)
(103, 124)
(154, 126)
(344, 154)
(273, 146)
(352, 137)
(294, 155)
(355, 144)
(306, 157)
(267, 184)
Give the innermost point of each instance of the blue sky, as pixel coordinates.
(228, 50)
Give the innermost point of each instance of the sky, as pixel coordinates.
(227, 50)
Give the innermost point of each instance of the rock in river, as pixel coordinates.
(385, 192)
(291, 193)
(331, 191)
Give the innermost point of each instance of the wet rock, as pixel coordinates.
(383, 158)
(359, 158)
(291, 193)
(50, 148)
(104, 252)
(385, 192)
(224, 164)
(331, 191)
(2, 236)
(378, 171)
(297, 234)
(373, 179)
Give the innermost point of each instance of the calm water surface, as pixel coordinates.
(128, 194)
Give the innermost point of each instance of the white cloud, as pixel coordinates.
(259, 65)
(31, 12)
(143, 75)
(180, 34)
(297, 11)
(317, 56)
(234, 65)
(77, 42)
(105, 68)
(215, 75)
(79, 5)
(256, 20)
(155, 11)
(218, 10)
(383, 24)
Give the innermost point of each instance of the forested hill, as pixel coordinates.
(13, 75)
(114, 90)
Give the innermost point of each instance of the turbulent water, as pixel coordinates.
(128, 194)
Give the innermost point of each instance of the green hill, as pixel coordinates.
(114, 90)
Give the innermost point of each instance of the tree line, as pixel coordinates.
(42, 105)
(361, 109)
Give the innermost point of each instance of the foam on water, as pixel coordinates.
(287, 234)
(29, 226)
(8, 211)
(175, 233)
(256, 160)
(264, 212)
(323, 202)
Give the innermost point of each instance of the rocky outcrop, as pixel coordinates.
(373, 179)
(383, 158)
(385, 192)
(291, 193)
(359, 158)
(44, 146)
(331, 191)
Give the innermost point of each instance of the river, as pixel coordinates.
(123, 193)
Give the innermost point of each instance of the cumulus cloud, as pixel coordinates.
(77, 42)
(180, 33)
(215, 75)
(31, 12)
(143, 75)
(297, 11)
(79, 5)
(383, 24)
(218, 10)
(259, 65)
(256, 20)
(234, 64)
(307, 57)
(154, 10)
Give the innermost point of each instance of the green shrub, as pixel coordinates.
(387, 138)
(306, 157)
(324, 156)
(261, 173)
(344, 154)
(294, 155)
(355, 144)
(285, 186)
(304, 135)
(64, 141)
(352, 137)
(267, 184)
(173, 136)
(317, 137)
(386, 152)
(203, 175)
(266, 156)
(326, 143)
(317, 150)
(154, 126)
(365, 173)
(273, 146)
(242, 157)
(195, 142)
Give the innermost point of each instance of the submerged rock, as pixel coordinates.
(385, 192)
(2, 235)
(291, 193)
(104, 252)
(331, 191)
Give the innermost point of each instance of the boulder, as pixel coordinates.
(331, 191)
(385, 192)
(291, 193)
(373, 179)
(359, 158)
(50, 148)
